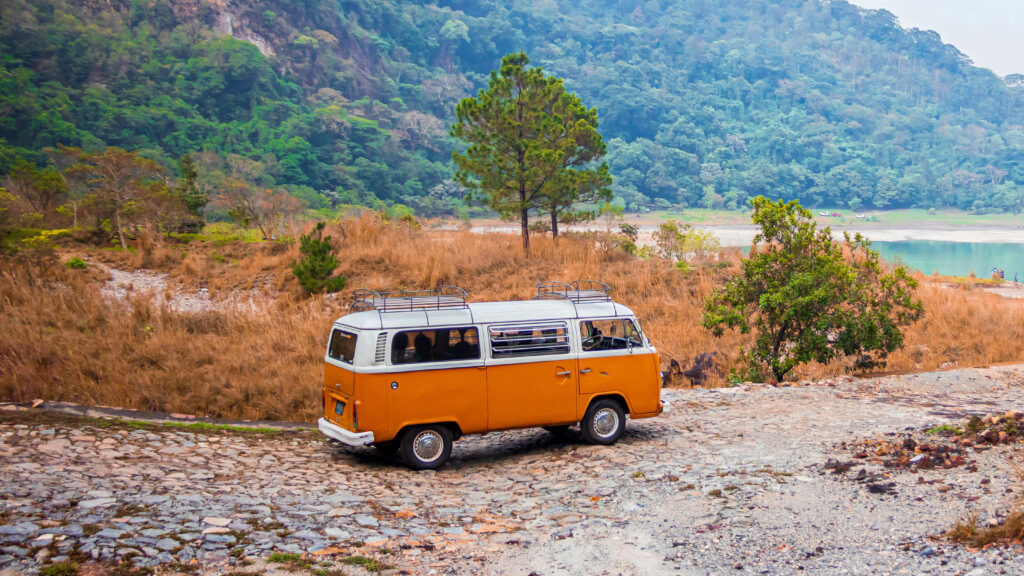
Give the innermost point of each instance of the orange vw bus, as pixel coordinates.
(413, 371)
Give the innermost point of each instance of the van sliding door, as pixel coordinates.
(531, 376)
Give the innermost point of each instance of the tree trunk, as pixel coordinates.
(524, 217)
(263, 230)
(777, 371)
(120, 232)
(554, 223)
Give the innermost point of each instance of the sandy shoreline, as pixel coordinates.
(732, 235)
(742, 235)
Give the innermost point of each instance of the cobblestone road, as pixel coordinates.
(727, 481)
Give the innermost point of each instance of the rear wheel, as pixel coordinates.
(603, 422)
(426, 447)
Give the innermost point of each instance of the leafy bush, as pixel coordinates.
(540, 226)
(410, 220)
(681, 242)
(806, 297)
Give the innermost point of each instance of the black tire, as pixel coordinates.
(426, 447)
(560, 430)
(389, 448)
(604, 422)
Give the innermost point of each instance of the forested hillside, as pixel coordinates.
(702, 102)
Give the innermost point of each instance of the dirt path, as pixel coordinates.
(727, 481)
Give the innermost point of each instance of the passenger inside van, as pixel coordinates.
(464, 349)
(442, 346)
(422, 345)
(398, 346)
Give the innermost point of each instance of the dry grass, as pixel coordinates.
(965, 529)
(62, 341)
(962, 327)
(1009, 531)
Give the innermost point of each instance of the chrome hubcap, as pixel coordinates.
(606, 422)
(428, 445)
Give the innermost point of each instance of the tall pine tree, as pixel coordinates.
(529, 141)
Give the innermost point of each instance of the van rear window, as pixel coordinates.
(529, 340)
(343, 346)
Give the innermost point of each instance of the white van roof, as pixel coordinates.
(485, 313)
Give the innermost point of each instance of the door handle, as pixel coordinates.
(566, 373)
(586, 371)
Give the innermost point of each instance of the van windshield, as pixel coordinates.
(617, 334)
(343, 346)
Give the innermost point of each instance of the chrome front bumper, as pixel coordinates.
(344, 436)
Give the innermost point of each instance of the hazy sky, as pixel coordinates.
(989, 31)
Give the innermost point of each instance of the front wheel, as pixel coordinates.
(426, 447)
(603, 423)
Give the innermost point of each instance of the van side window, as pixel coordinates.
(416, 346)
(529, 340)
(343, 346)
(617, 334)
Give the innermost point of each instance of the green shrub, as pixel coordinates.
(60, 569)
(76, 263)
(945, 430)
(283, 557)
(369, 564)
(974, 424)
(317, 264)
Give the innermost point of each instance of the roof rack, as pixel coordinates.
(576, 291)
(441, 298)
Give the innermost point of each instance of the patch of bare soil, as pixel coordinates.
(164, 290)
(1007, 290)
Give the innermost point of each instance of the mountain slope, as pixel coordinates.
(702, 102)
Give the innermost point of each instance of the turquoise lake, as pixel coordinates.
(955, 258)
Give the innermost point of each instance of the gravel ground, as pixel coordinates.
(729, 481)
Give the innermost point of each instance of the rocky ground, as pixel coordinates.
(122, 284)
(737, 480)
